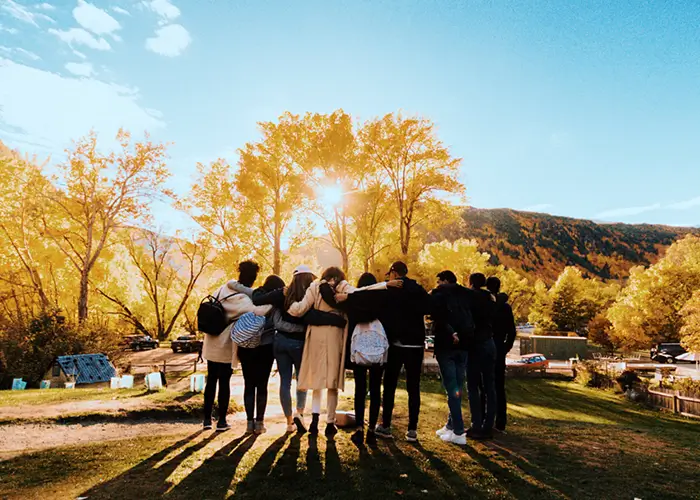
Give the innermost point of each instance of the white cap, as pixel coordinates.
(302, 269)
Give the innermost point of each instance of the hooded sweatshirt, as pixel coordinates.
(220, 348)
(441, 298)
(503, 325)
(405, 313)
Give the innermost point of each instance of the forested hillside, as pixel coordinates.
(543, 245)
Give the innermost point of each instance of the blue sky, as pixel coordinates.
(585, 109)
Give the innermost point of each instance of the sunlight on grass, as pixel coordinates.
(545, 413)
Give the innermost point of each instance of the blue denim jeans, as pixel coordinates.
(453, 365)
(288, 353)
(481, 364)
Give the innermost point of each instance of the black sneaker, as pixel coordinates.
(358, 437)
(383, 432)
(313, 428)
(299, 422)
(222, 427)
(371, 439)
(476, 434)
(207, 425)
(331, 430)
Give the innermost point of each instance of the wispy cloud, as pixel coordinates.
(166, 10)
(18, 50)
(95, 19)
(79, 36)
(19, 12)
(686, 205)
(45, 6)
(11, 31)
(80, 69)
(119, 10)
(170, 41)
(626, 211)
(540, 207)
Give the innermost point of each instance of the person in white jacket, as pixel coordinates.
(219, 350)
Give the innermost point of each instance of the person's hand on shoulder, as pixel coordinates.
(395, 284)
(341, 297)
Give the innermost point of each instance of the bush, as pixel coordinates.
(28, 348)
(688, 387)
(589, 374)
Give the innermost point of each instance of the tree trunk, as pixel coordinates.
(276, 256)
(83, 298)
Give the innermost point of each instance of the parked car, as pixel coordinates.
(186, 343)
(139, 343)
(532, 361)
(429, 342)
(666, 352)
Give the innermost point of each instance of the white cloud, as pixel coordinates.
(163, 8)
(81, 37)
(169, 41)
(80, 69)
(47, 110)
(119, 10)
(622, 212)
(685, 205)
(11, 31)
(45, 6)
(19, 12)
(45, 18)
(79, 54)
(94, 19)
(539, 207)
(18, 50)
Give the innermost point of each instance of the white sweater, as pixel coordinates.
(220, 348)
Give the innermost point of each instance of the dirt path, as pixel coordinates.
(73, 407)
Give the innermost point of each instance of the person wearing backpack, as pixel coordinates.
(454, 329)
(323, 363)
(364, 309)
(504, 333)
(481, 360)
(289, 339)
(218, 349)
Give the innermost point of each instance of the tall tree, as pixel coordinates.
(271, 182)
(100, 193)
(417, 166)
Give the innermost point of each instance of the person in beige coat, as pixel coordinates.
(220, 351)
(323, 361)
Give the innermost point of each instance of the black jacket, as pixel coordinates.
(313, 317)
(406, 308)
(503, 325)
(361, 307)
(483, 305)
(440, 298)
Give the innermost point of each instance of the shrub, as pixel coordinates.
(589, 374)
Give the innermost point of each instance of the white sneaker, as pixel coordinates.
(291, 428)
(451, 437)
(441, 432)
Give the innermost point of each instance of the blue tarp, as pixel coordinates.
(89, 368)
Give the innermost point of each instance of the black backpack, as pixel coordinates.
(211, 315)
(459, 316)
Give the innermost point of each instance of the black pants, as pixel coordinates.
(217, 373)
(256, 364)
(375, 393)
(501, 399)
(412, 359)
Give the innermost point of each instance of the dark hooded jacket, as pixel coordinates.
(483, 306)
(503, 325)
(404, 318)
(441, 297)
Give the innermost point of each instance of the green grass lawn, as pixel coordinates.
(564, 441)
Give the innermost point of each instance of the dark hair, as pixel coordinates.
(297, 288)
(493, 284)
(477, 280)
(273, 282)
(448, 276)
(333, 273)
(366, 279)
(399, 268)
(248, 272)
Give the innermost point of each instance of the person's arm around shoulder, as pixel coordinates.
(247, 305)
(298, 309)
(273, 298)
(238, 287)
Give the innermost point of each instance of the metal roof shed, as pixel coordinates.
(85, 368)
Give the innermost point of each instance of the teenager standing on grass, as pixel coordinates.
(290, 339)
(451, 314)
(481, 360)
(323, 363)
(219, 350)
(405, 329)
(362, 307)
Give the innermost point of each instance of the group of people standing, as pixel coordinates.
(308, 331)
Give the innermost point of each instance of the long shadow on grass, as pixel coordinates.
(146, 479)
(255, 481)
(213, 478)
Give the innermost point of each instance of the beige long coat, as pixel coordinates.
(323, 361)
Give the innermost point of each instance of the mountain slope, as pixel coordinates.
(542, 245)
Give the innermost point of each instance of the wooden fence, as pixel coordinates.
(170, 366)
(674, 401)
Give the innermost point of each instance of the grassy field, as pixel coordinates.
(564, 441)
